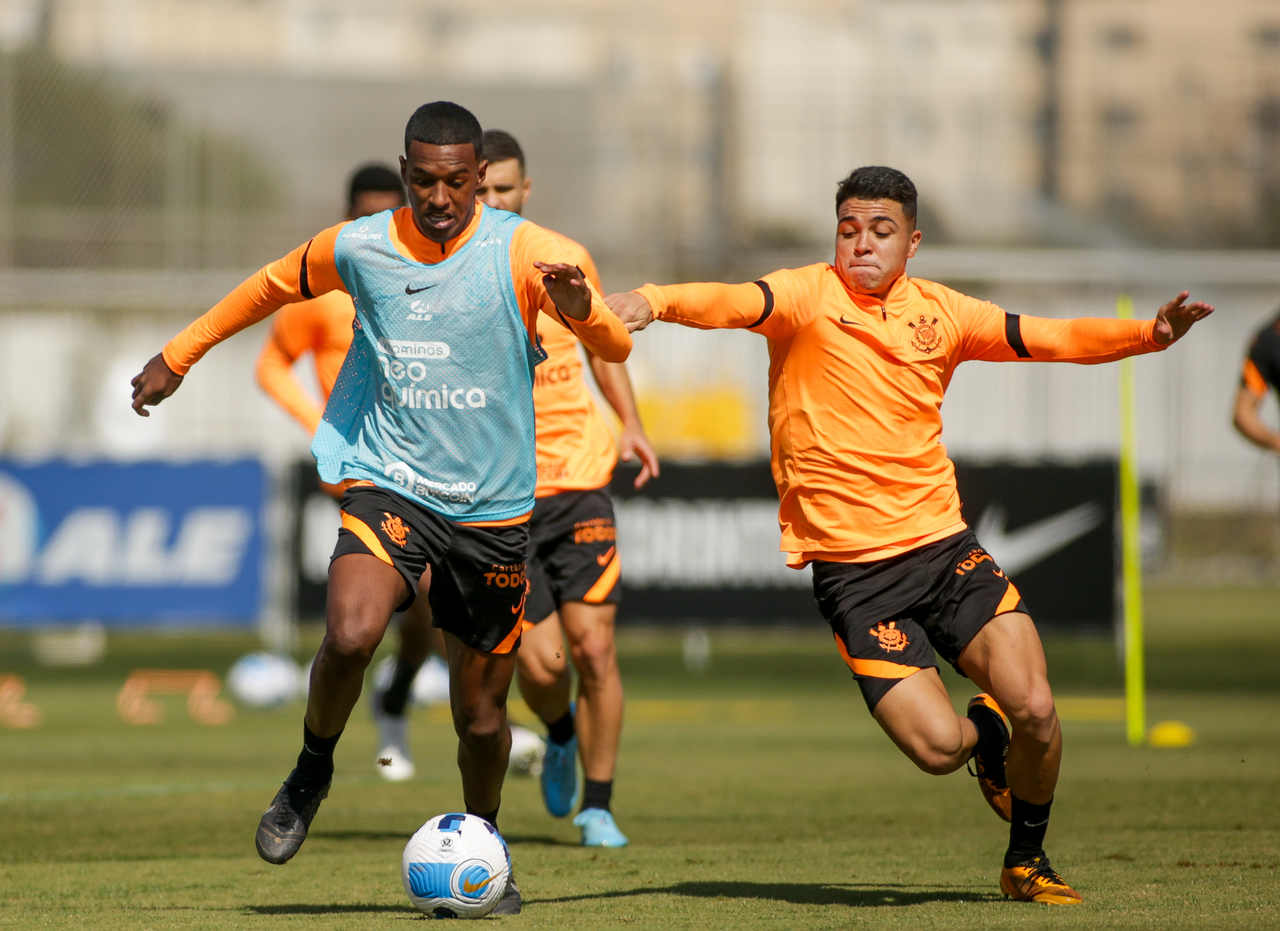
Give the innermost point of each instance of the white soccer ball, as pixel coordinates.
(455, 866)
(527, 751)
(264, 680)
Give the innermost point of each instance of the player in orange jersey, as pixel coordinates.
(574, 566)
(1261, 373)
(322, 328)
(431, 418)
(860, 356)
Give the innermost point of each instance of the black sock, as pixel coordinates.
(1026, 833)
(597, 794)
(990, 743)
(560, 731)
(491, 817)
(315, 762)
(396, 696)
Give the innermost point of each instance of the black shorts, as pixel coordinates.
(478, 578)
(889, 616)
(573, 552)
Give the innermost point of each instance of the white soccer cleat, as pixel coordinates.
(393, 761)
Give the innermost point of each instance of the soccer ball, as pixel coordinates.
(527, 751)
(455, 866)
(264, 680)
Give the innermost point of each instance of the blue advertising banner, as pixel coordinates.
(131, 544)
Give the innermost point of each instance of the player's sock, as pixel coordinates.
(315, 762)
(561, 731)
(491, 817)
(596, 794)
(1026, 831)
(397, 692)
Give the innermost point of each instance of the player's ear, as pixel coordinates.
(916, 236)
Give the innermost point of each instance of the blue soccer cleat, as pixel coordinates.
(599, 829)
(559, 777)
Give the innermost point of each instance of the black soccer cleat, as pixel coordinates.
(284, 824)
(510, 903)
(990, 771)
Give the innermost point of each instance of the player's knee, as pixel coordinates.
(594, 655)
(1035, 718)
(350, 645)
(938, 751)
(478, 724)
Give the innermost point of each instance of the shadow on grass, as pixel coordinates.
(312, 908)
(854, 895)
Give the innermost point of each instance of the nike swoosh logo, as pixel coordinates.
(844, 319)
(1038, 824)
(603, 558)
(1019, 549)
(409, 290)
(523, 595)
(468, 888)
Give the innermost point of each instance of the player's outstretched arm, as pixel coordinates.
(1175, 318)
(632, 309)
(153, 384)
(992, 335)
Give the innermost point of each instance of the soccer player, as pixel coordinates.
(860, 356)
(1261, 370)
(573, 566)
(322, 328)
(431, 420)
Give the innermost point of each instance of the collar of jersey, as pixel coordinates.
(409, 241)
(897, 301)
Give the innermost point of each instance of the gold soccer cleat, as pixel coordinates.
(1036, 881)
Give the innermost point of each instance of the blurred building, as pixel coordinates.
(152, 152)
(685, 131)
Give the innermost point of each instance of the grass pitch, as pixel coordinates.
(757, 793)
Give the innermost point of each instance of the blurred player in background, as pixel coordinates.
(860, 357)
(431, 419)
(1261, 372)
(574, 565)
(322, 328)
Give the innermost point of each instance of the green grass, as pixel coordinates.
(757, 794)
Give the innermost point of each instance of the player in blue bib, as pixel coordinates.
(430, 427)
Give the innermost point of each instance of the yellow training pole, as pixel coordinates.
(1131, 553)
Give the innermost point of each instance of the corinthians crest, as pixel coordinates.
(924, 334)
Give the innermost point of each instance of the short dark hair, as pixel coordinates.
(875, 182)
(374, 176)
(500, 145)
(444, 123)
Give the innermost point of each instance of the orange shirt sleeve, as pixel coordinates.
(991, 334)
(302, 274)
(288, 341)
(772, 306)
(602, 332)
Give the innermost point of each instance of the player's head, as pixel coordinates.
(505, 184)
(442, 165)
(875, 228)
(373, 188)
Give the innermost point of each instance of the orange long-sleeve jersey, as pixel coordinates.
(855, 395)
(321, 327)
(310, 270)
(575, 445)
